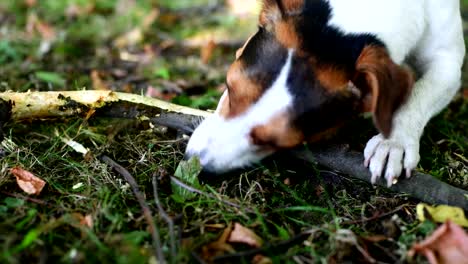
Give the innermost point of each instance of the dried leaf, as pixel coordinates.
(149, 19)
(83, 220)
(30, 3)
(442, 213)
(219, 247)
(207, 51)
(130, 38)
(87, 221)
(241, 234)
(98, 83)
(260, 259)
(448, 244)
(27, 181)
(74, 10)
(46, 31)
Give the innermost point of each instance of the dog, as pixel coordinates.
(313, 64)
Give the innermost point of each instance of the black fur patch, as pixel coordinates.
(316, 108)
(263, 58)
(329, 44)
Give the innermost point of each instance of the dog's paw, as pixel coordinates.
(399, 153)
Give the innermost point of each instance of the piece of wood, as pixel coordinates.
(421, 186)
(68, 103)
(37, 105)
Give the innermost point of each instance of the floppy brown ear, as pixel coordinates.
(385, 85)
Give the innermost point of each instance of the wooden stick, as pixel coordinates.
(421, 186)
(144, 206)
(36, 105)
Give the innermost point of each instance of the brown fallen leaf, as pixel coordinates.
(83, 220)
(98, 83)
(218, 247)
(74, 10)
(241, 234)
(47, 31)
(129, 38)
(448, 244)
(30, 3)
(27, 181)
(207, 51)
(260, 259)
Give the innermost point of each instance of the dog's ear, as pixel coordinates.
(384, 85)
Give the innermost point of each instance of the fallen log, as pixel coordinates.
(41, 105)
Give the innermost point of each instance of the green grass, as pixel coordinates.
(278, 200)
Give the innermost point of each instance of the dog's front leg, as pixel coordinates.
(431, 93)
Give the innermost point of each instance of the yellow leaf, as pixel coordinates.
(442, 213)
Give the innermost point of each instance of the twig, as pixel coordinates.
(375, 217)
(166, 218)
(29, 199)
(194, 190)
(141, 200)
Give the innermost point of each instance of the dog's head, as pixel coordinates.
(293, 81)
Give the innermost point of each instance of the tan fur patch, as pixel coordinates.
(332, 78)
(293, 5)
(277, 133)
(285, 33)
(327, 134)
(243, 92)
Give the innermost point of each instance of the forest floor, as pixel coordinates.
(179, 51)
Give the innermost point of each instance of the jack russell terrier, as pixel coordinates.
(315, 63)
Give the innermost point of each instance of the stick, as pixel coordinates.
(20, 106)
(166, 218)
(194, 190)
(421, 186)
(144, 207)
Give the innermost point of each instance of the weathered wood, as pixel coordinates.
(37, 105)
(420, 186)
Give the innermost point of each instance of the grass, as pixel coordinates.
(286, 197)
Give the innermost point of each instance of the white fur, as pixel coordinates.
(428, 31)
(225, 144)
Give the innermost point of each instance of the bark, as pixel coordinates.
(40, 105)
